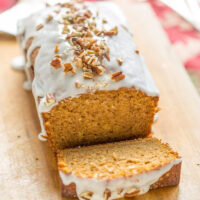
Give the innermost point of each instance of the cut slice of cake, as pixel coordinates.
(116, 170)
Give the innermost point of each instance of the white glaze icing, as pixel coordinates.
(55, 81)
(27, 85)
(18, 63)
(141, 181)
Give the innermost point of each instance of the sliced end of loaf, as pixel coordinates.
(105, 116)
(118, 166)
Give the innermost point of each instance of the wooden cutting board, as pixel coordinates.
(27, 168)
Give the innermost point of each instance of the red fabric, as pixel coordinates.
(193, 63)
(5, 4)
(177, 34)
(184, 38)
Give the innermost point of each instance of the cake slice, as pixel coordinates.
(116, 170)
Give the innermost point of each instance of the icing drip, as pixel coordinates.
(41, 136)
(155, 118)
(141, 182)
(18, 63)
(27, 85)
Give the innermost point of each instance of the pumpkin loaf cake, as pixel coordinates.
(116, 170)
(89, 82)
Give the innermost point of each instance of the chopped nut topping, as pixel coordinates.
(47, 5)
(86, 195)
(69, 68)
(40, 26)
(104, 21)
(56, 48)
(119, 191)
(88, 14)
(50, 99)
(49, 18)
(65, 31)
(56, 63)
(107, 56)
(57, 55)
(112, 32)
(79, 62)
(77, 84)
(99, 70)
(120, 62)
(80, 28)
(88, 75)
(57, 11)
(137, 51)
(131, 192)
(97, 32)
(117, 76)
(107, 194)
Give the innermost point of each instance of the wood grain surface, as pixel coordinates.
(28, 169)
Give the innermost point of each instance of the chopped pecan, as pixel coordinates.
(57, 11)
(57, 55)
(111, 32)
(38, 27)
(88, 14)
(94, 61)
(56, 48)
(56, 63)
(69, 68)
(119, 191)
(104, 21)
(137, 51)
(73, 41)
(117, 76)
(47, 5)
(86, 195)
(97, 32)
(120, 62)
(77, 84)
(49, 18)
(107, 56)
(88, 75)
(79, 62)
(99, 70)
(107, 194)
(131, 192)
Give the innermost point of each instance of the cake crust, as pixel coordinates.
(129, 167)
(171, 178)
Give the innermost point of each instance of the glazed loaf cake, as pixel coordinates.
(89, 82)
(117, 170)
